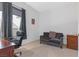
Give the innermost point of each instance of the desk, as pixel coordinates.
(6, 48)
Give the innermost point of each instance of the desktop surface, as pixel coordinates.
(6, 48)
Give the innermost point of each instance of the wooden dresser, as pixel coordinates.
(72, 42)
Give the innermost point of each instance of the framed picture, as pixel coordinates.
(33, 21)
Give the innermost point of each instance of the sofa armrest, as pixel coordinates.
(61, 42)
(61, 39)
(41, 37)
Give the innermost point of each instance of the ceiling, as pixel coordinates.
(42, 6)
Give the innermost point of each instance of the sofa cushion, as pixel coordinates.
(54, 40)
(52, 34)
(46, 34)
(58, 35)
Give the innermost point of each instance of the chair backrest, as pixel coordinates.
(19, 38)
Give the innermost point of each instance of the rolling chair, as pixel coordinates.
(17, 41)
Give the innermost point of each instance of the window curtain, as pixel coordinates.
(16, 11)
(23, 24)
(7, 19)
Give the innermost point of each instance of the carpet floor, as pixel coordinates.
(35, 49)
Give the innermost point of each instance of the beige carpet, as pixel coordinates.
(35, 49)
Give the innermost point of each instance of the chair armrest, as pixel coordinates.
(11, 39)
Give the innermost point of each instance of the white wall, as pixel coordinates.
(78, 25)
(32, 30)
(61, 18)
(78, 12)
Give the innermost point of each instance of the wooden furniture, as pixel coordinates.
(72, 42)
(6, 48)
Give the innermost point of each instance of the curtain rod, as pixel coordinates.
(17, 7)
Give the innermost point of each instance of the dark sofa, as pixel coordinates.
(52, 38)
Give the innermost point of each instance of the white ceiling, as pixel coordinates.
(42, 6)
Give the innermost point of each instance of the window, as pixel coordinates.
(1, 21)
(0, 24)
(13, 20)
(16, 20)
(16, 24)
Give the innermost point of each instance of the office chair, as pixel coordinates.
(17, 41)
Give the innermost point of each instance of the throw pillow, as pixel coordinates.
(52, 34)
